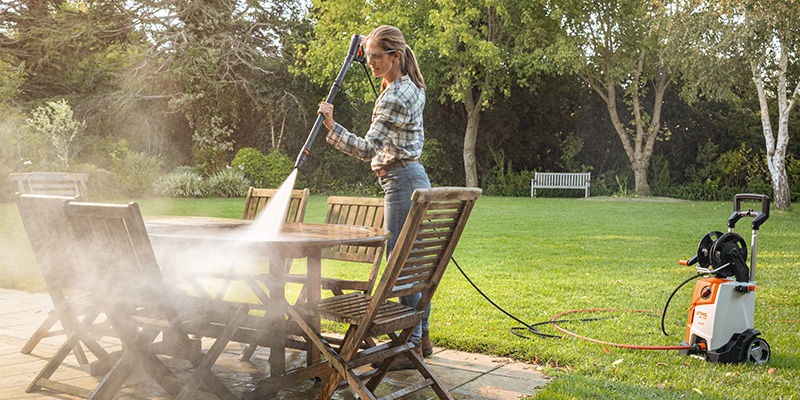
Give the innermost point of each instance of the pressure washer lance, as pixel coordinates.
(355, 53)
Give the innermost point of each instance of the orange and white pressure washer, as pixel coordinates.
(720, 323)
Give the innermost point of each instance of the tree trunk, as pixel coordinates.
(776, 149)
(471, 137)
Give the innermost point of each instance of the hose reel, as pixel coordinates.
(728, 250)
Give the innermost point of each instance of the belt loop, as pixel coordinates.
(403, 162)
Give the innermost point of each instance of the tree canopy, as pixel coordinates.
(687, 99)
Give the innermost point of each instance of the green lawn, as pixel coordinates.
(539, 257)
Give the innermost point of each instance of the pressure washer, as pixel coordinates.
(720, 323)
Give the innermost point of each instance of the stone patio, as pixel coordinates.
(466, 375)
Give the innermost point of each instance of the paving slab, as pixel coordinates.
(465, 375)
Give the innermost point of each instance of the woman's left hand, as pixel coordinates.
(326, 109)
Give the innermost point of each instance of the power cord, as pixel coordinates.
(529, 327)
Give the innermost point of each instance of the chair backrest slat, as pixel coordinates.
(258, 198)
(365, 211)
(52, 183)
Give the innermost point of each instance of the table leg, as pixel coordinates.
(277, 307)
(314, 292)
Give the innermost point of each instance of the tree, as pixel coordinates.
(64, 48)
(55, 120)
(728, 41)
(483, 49)
(471, 51)
(618, 48)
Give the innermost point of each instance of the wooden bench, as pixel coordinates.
(52, 183)
(561, 180)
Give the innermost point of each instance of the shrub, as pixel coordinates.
(103, 184)
(181, 182)
(265, 171)
(226, 183)
(793, 173)
(251, 162)
(56, 121)
(137, 171)
(434, 158)
(660, 176)
(279, 166)
(339, 173)
(212, 144)
(503, 181)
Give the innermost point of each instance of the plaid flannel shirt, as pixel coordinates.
(395, 132)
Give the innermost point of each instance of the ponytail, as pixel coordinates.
(411, 68)
(390, 38)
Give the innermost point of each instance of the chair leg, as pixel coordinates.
(40, 333)
(53, 363)
(203, 367)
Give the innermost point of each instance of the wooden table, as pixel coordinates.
(299, 240)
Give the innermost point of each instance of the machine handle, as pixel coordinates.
(759, 217)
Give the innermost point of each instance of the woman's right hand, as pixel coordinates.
(326, 109)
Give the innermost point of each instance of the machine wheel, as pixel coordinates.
(757, 351)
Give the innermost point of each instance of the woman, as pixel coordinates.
(393, 144)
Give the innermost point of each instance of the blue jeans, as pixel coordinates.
(398, 185)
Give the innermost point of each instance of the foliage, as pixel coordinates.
(339, 173)
(137, 171)
(11, 78)
(622, 187)
(56, 121)
(265, 171)
(440, 172)
(732, 47)
(740, 166)
(212, 144)
(63, 49)
(503, 181)
(226, 183)
(103, 184)
(181, 182)
(661, 177)
(571, 146)
(793, 169)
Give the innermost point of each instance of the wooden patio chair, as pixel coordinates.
(53, 183)
(420, 257)
(257, 199)
(52, 241)
(117, 256)
(363, 211)
(58, 184)
(342, 210)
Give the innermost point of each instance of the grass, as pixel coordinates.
(539, 257)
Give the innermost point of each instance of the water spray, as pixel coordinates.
(355, 53)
